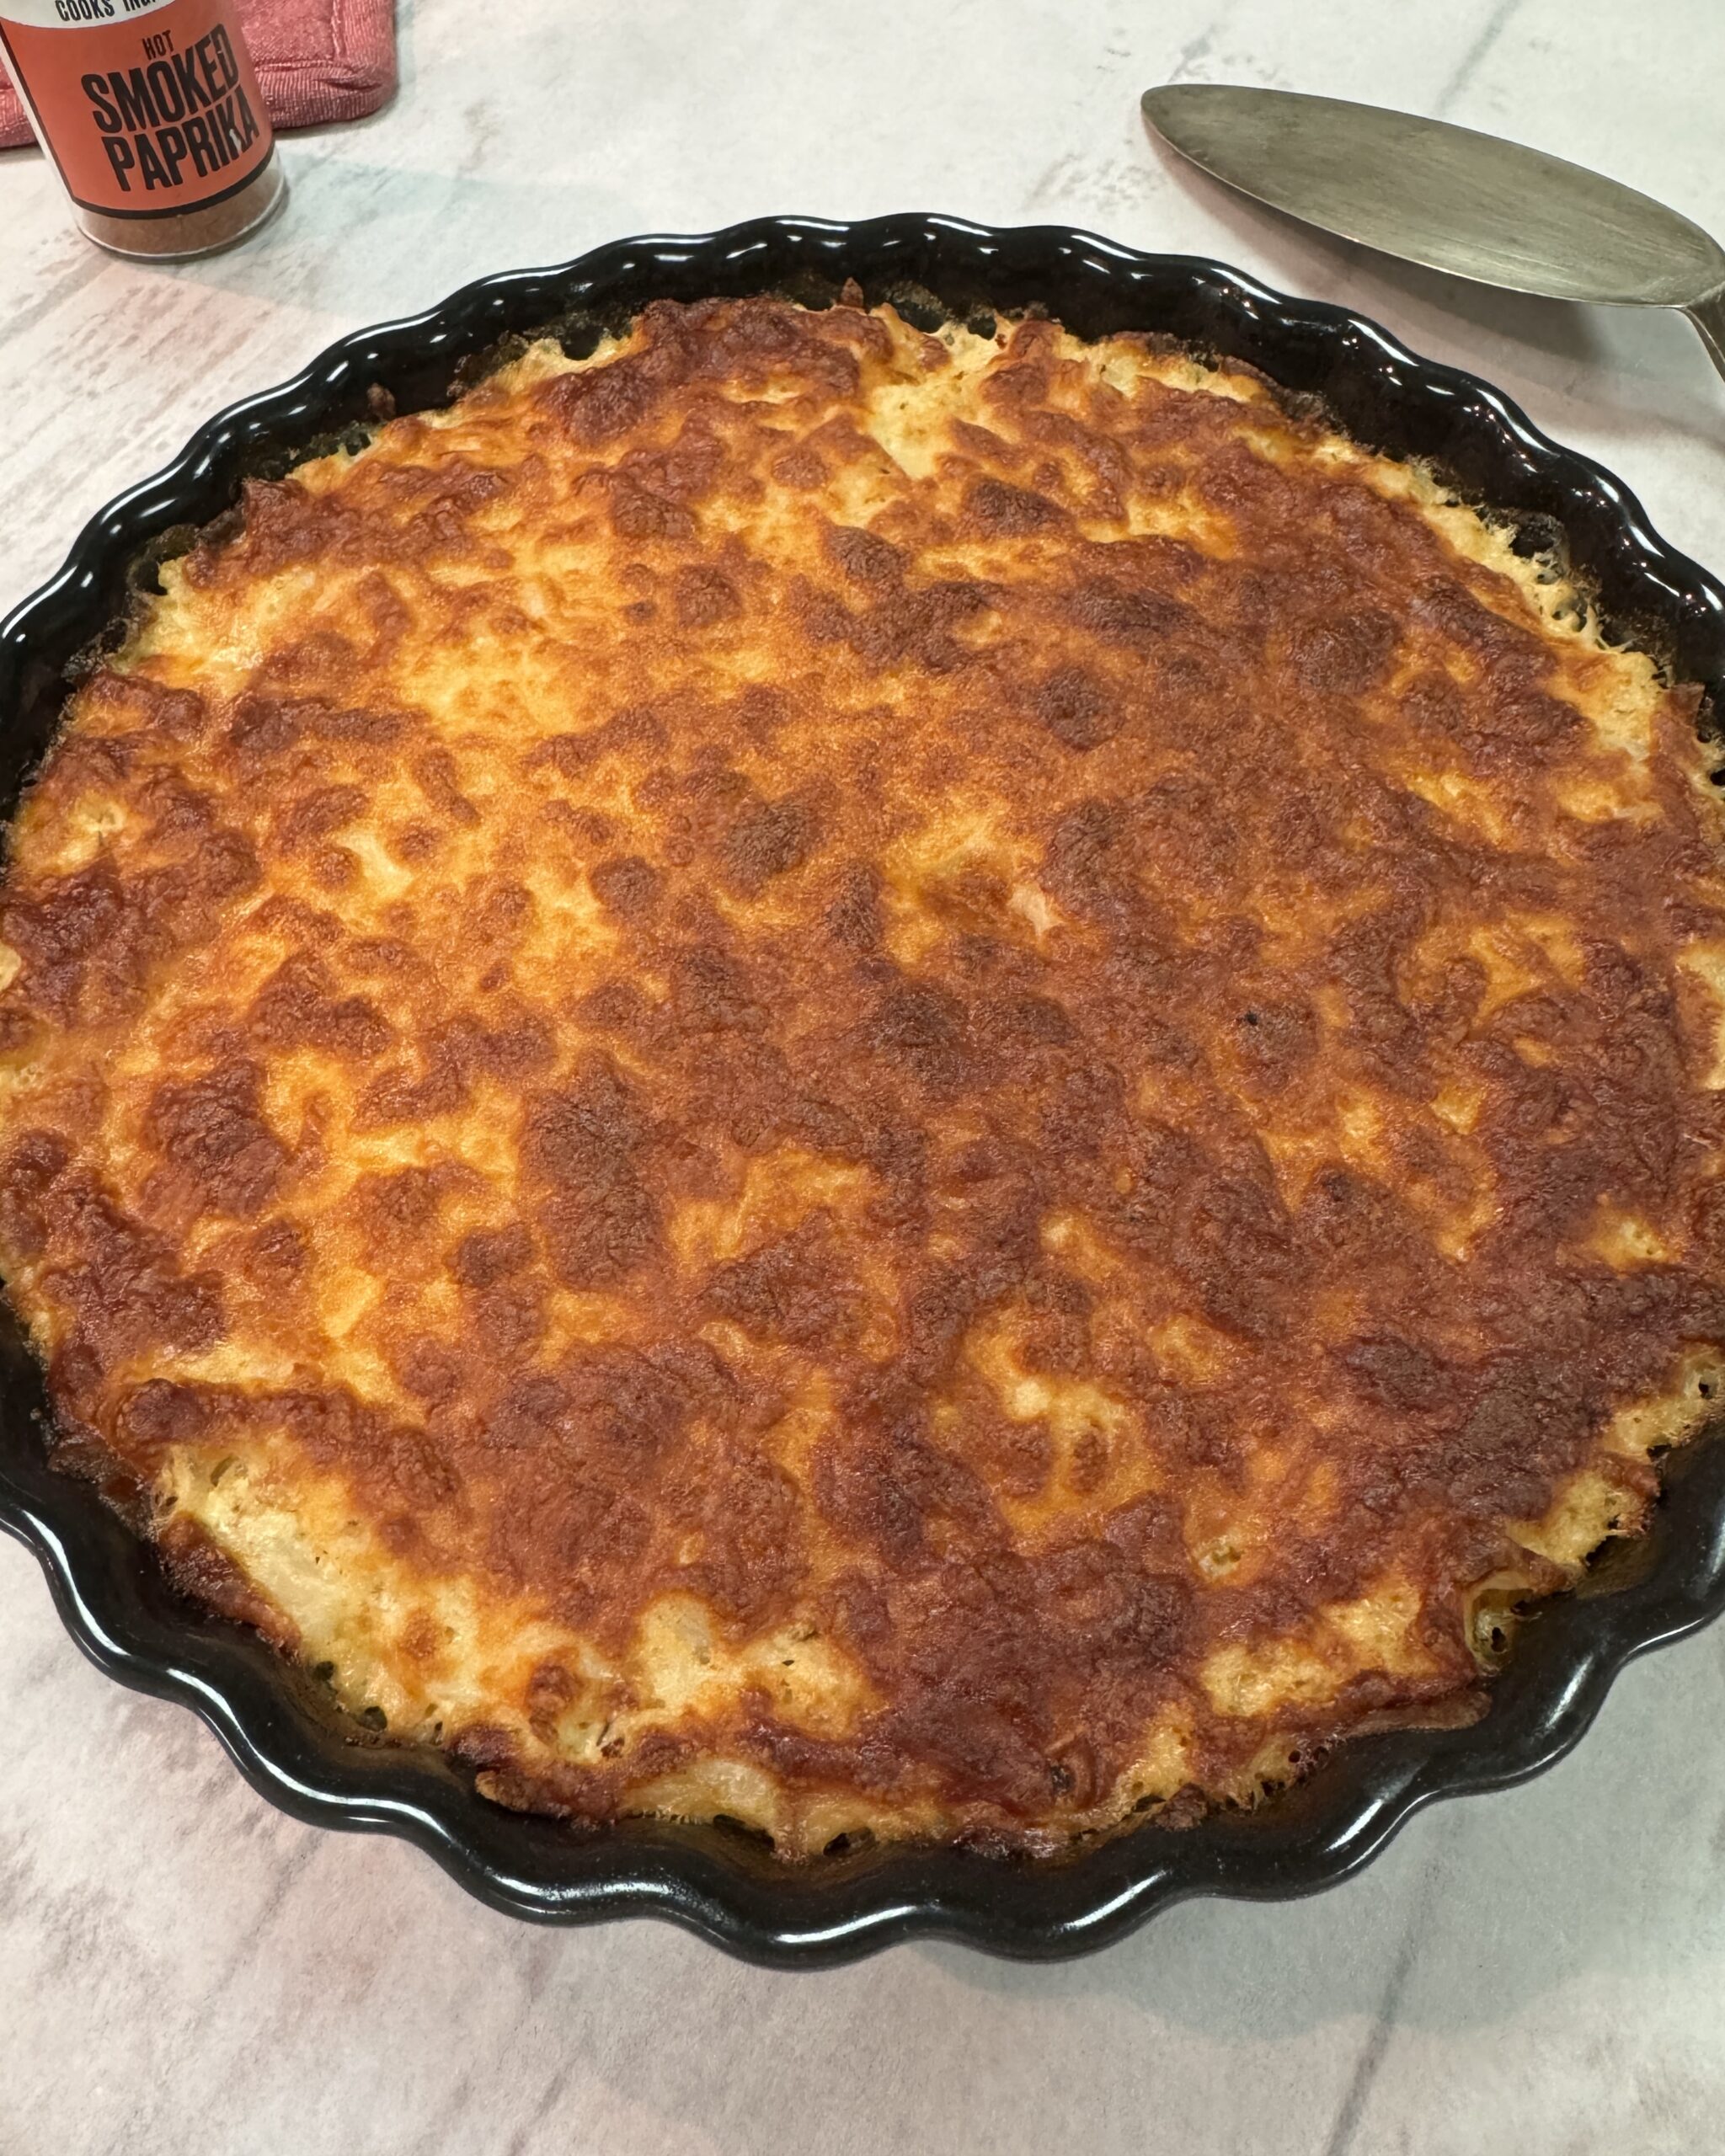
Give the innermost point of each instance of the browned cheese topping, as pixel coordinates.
(887, 1083)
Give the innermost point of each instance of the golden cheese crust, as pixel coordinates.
(897, 1084)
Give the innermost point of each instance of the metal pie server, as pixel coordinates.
(1473, 204)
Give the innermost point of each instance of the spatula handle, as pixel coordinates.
(1708, 316)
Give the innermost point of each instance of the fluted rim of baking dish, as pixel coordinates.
(277, 1724)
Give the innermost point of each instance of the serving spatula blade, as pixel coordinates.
(1473, 204)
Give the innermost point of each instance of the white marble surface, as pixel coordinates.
(182, 1969)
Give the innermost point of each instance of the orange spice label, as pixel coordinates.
(147, 107)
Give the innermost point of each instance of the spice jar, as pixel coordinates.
(152, 114)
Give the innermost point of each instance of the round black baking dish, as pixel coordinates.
(719, 1882)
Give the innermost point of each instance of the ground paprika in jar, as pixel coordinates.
(151, 115)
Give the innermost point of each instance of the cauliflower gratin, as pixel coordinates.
(889, 1083)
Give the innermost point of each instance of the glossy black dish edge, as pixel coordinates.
(276, 1724)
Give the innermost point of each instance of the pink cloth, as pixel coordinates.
(317, 60)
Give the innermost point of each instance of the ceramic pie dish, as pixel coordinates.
(709, 1876)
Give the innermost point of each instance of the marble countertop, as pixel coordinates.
(182, 1968)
